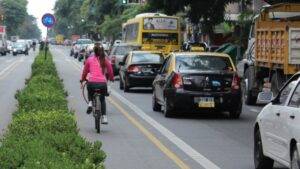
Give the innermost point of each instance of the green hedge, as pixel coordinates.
(43, 132)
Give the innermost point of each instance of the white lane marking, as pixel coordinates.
(187, 149)
(10, 66)
(199, 158)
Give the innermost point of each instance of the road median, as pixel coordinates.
(43, 132)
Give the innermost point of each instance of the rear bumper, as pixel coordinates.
(140, 81)
(186, 99)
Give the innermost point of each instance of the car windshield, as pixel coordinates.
(19, 45)
(84, 41)
(204, 63)
(123, 50)
(147, 58)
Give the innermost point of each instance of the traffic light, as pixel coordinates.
(124, 1)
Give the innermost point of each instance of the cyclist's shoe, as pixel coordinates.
(104, 119)
(89, 110)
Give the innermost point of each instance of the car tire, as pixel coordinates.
(236, 112)
(295, 161)
(260, 160)
(121, 85)
(126, 87)
(168, 110)
(155, 106)
(247, 92)
(14, 54)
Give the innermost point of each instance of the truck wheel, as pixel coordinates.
(276, 83)
(247, 87)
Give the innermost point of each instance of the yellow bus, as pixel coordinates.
(153, 31)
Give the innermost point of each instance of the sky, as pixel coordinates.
(38, 8)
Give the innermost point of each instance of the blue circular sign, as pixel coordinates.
(48, 20)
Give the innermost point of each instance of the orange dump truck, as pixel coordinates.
(273, 53)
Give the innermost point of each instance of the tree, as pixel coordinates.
(112, 25)
(14, 15)
(207, 12)
(30, 29)
(69, 20)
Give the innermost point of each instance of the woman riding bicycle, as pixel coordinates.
(97, 70)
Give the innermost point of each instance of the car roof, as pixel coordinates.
(124, 44)
(142, 51)
(201, 54)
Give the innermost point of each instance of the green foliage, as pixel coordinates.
(208, 13)
(29, 29)
(112, 25)
(17, 20)
(43, 133)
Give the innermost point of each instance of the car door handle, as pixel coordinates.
(278, 114)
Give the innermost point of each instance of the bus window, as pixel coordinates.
(131, 32)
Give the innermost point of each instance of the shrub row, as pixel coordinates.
(43, 132)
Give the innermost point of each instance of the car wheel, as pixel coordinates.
(235, 113)
(155, 105)
(247, 84)
(121, 84)
(295, 161)
(126, 87)
(168, 110)
(260, 160)
(14, 54)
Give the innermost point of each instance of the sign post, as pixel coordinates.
(48, 21)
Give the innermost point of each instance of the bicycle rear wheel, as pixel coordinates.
(97, 113)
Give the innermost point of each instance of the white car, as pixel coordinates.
(277, 129)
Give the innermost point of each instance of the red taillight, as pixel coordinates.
(177, 81)
(113, 59)
(235, 83)
(133, 69)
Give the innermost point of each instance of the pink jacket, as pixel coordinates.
(93, 71)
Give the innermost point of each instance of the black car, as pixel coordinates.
(19, 48)
(197, 81)
(139, 68)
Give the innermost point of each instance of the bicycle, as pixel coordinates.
(96, 105)
(97, 108)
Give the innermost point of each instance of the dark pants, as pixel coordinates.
(91, 87)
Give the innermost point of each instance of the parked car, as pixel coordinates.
(139, 68)
(197, 80)
(80, 45)
(117, 54)
(20, 48)
(277, 131)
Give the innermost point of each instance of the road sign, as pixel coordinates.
(48, 20)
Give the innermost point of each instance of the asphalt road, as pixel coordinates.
(137, 137)
(13, 72)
